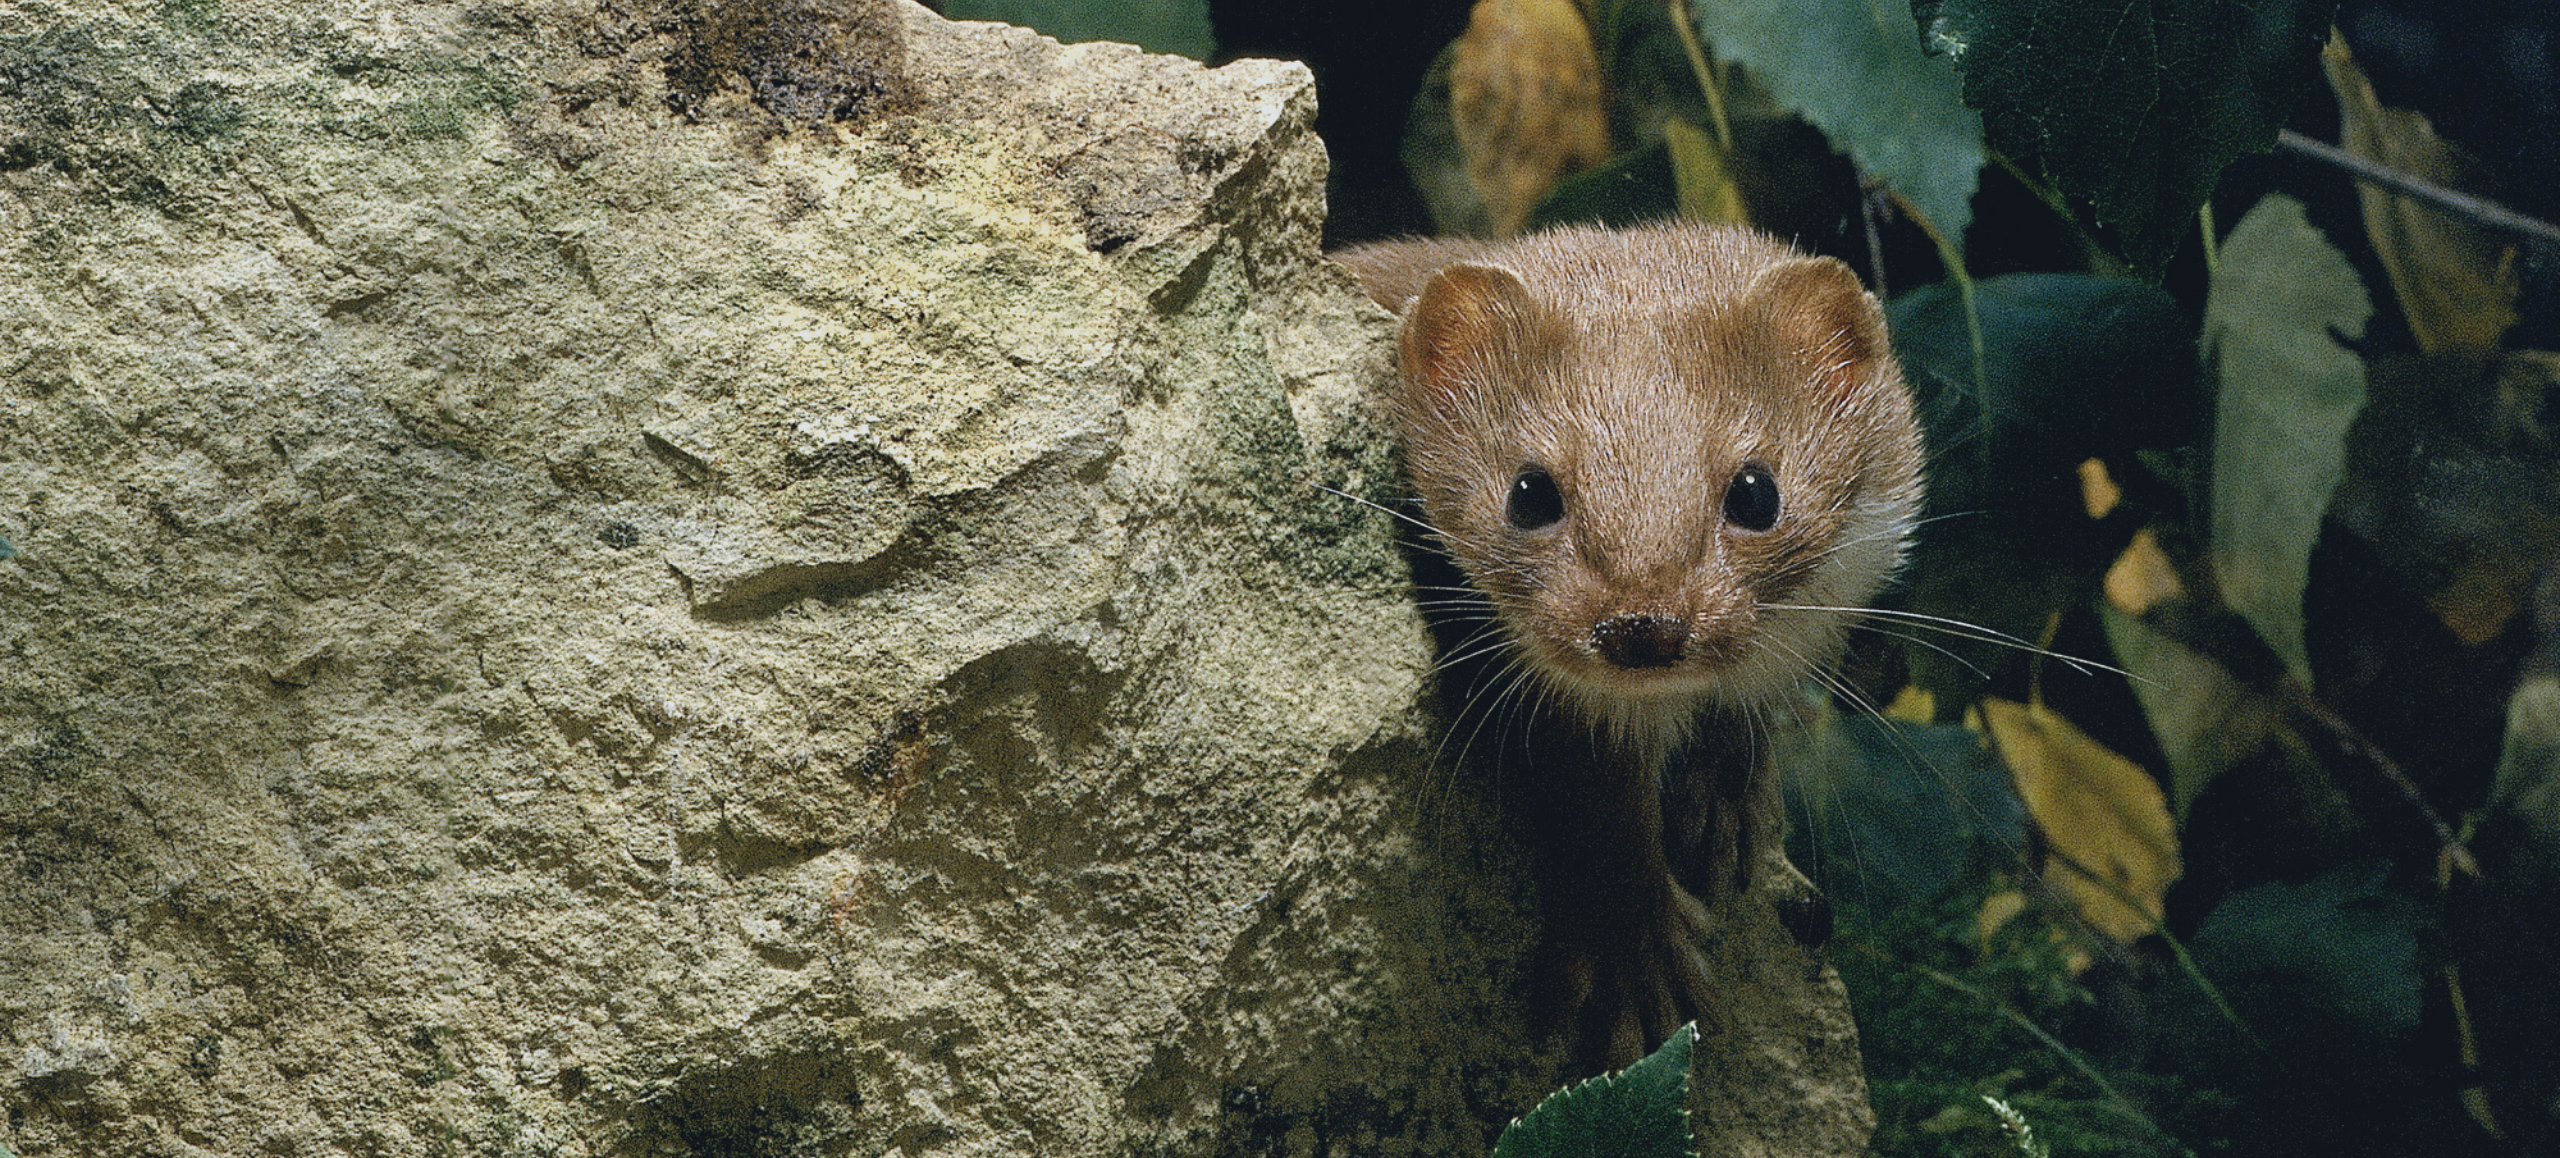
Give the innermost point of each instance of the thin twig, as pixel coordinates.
(2197, 619)
(2479, 209)
(2325, 723)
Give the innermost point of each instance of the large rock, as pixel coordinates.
(762, 579)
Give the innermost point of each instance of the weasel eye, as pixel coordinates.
(1535, 501)
(1751, 503)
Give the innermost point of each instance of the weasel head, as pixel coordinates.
(1674, 461)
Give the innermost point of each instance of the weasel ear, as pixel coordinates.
(1825, 318)
(1464, 332)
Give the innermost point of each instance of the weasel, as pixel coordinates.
(1673, 461)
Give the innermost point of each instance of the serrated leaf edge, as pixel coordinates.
(1673, 1055)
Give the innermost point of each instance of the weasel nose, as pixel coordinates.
(1640, 640)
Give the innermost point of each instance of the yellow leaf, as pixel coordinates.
(2457, 282)
(1998, 909)
(1913, 705)
(1698, 165)
(2099, 812)
(2142, 577)
(2099, 493)
(1525, 95)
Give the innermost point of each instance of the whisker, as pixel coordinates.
(1498, 701)
(1379, 507)
(1962, 630)
(1825, 805)
(1916, 639)
(1485, 640)
(1477, 608)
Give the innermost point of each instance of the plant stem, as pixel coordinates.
(2479, 209)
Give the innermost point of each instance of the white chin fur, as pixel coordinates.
(1648, 726)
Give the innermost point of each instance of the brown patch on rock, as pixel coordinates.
(803, 62)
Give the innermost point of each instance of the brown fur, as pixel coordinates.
(1641, 370)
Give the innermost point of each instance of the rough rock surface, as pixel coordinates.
(609, 581)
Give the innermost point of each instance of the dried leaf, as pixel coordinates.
(2457, 282)
(1998, 909)
(2482, 599)
(2453, 480)
(2100, 813)
(1526, 97)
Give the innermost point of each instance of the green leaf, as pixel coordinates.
(1180, 27)
(2202, 717)
(1639, 1112)
(1708, 191)
(1889, 815)
(1646, 66)
(2529, 759)
(1856, 70)
(1636, 186)
(2280, 300)
(2136, 107)
(2076, 366)
(2332, 961)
